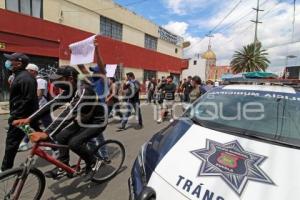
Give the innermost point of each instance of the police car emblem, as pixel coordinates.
(232, 163)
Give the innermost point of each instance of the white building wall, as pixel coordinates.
(193, 70)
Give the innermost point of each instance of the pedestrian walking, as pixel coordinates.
(132, 99)
(23, 102)
(187, 88)
(112, 99)
(168, 91)
(42, 92)
(151, 90)
(196, 91)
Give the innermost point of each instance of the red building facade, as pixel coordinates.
(42, 39)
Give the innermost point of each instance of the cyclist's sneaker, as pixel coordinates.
(47, 148)
(55, 173)
(90, 171)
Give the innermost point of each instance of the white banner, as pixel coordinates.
(83, 51)
(111, 70)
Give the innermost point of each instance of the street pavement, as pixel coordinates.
(115, 189)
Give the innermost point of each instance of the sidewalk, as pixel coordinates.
(4, 108)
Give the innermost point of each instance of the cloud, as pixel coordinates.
(179, 28)
(273, 32)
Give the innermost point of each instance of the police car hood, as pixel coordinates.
(211, 165)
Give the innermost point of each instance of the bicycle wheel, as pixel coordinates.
(11, 181)
(111, 154)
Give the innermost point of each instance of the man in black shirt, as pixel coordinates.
(168, 91)
(132, 98)
(23, 102)
(187, 88)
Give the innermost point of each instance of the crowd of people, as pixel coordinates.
(87, 99)
(164, 91)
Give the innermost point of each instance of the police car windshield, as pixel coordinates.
(270, 115)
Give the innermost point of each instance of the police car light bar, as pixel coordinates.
(288, 82)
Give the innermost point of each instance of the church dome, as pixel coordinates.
(209, 55)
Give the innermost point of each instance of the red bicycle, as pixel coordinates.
(28, 182)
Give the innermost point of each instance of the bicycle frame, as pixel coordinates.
(36, 150)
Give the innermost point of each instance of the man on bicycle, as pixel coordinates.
(83, 119)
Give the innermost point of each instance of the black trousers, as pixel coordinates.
(13, 139)
(76, 138)
(150, 96)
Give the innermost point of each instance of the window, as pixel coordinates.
(195, 62)
(150, 42)
(28, 7)
(110, 28)
(148, 74)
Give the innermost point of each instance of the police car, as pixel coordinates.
(239, 141)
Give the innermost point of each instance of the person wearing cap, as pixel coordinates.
(42, 91)
(132, 99)
(82, 120)
(23, 102)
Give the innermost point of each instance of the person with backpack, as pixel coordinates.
(132, 99)
(42, 92)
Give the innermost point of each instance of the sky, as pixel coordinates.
(194, 19)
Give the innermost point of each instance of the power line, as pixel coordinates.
(225, 17)
(264, 15)
(283, 44)
(236, 22)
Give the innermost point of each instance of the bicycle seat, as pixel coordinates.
(38, 136)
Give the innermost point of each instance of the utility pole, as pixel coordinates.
(256, 21)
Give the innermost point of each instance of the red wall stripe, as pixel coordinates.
(40, 37)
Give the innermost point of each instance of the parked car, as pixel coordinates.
(238, 141)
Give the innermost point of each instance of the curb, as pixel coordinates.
(4, 108)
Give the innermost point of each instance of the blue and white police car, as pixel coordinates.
(239, 141)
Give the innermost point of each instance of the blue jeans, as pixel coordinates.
(102, 152)
(137, 108)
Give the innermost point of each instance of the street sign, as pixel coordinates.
(2, 45)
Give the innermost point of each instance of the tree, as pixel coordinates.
(251, 58)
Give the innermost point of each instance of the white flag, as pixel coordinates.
(83, 51)
(111, 70)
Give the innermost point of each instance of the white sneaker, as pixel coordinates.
(159, 121)
(171, 120)
(47, 148)
(24, 146)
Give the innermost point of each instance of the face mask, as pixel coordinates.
(8, 65)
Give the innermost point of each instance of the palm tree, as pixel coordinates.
(251, 58)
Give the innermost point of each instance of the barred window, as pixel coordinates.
(111, 28)
(29, 7)
(148, 74)
(150, 42)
